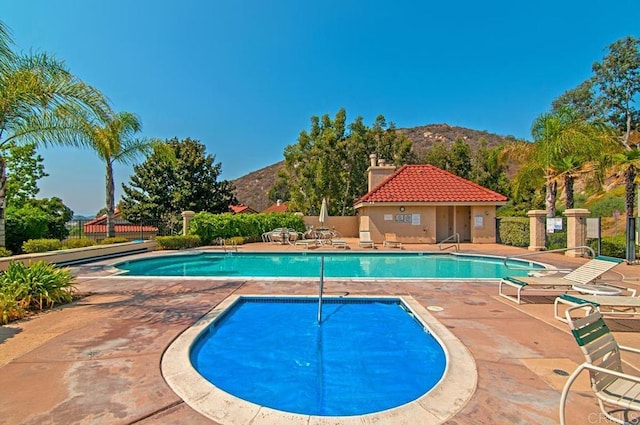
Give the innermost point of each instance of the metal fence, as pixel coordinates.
(96, 230)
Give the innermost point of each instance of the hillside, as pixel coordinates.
(252, 188)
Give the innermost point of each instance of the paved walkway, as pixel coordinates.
(97, 360)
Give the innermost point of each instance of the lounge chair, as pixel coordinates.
(616, 391)
(307, 243)
(391, 240)
(608, 305)
(584, 274)
(365, 239)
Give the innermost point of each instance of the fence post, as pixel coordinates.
(576, 230)
(186, 219)
(537, 230)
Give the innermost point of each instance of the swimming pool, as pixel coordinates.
(368, 355)
(336, 265)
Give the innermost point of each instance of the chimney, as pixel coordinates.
(378, 171)
(374, 159)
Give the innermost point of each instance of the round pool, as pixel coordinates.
(365, 356)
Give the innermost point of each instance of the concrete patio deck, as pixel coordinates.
(97, 360)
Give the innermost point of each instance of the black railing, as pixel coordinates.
(97, 231)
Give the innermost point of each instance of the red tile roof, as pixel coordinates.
(99, 225)
(241, 208)
(277, 207)
(426, 183)
(119, 228)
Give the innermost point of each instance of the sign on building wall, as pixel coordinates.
(554, 224)
(415, 219)
(478, 221)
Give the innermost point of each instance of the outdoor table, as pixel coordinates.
(596, 289)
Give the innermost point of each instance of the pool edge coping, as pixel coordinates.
(448, 397)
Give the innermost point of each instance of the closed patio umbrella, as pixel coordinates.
(322, 218)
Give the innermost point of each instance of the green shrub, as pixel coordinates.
(177, 242)
(41, 245)
(612, 246)
(605, 207)
(248, 226)
(37, 286)
(78, 243)
(23, 224)
(4, 252)
(557, 240)
(514, 231)
(117, 239)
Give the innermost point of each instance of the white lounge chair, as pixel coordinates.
(615, 390)
(365, 239)
(608, 305)
(391, 240)
(585, 274)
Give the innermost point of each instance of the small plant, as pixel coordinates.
(117, 239)
(78, 243)
(41, 245)
(34, 287)
(4, 252)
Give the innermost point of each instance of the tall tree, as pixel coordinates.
(163, 186)
(113, 139)
(612, 94)
(25, 167)
(557, 135)
(39, 100)
(618, 79)
(330, 161)
(460, 159)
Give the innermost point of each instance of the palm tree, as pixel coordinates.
(628, 161)
(561, 134)
(39, 99)
(112, 138)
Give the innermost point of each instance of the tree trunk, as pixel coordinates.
(629, 186)
(568, 191)
(111, 230)
(3, 200)
(550, 198)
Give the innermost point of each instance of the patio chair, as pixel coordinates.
(391, 240)
(365, 239)
(615, 390)
(585, 274)
(608, 305)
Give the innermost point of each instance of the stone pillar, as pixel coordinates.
(576, 230)
(186, 219)
(537, 230)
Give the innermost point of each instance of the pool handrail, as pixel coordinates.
(456, 237)
(529, 254)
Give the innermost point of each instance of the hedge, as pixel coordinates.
(177, 242)
(514, 231)
(41, 245)
(210, 227)
(611, 246)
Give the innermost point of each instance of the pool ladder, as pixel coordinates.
(455, 237)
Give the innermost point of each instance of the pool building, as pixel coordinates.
(425, 204)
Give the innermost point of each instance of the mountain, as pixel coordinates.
(252, 188)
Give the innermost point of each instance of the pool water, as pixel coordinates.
(345, 265)
(366, 356)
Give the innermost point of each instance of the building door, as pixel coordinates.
(444, 223)
(463, 223)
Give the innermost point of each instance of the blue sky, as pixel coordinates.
(244, 77)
